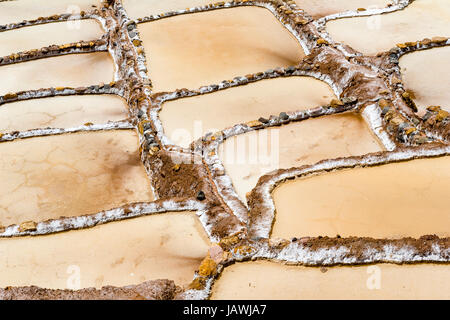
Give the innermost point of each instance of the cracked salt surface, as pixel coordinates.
(133, 83)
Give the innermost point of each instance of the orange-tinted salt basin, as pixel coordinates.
(164, 246)
(420, 71)
(270, 280)
(77, 70)
(407, 199)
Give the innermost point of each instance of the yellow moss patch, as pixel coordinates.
(207, 268)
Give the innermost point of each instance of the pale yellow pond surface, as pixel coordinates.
(17, 11)
(70, 175)
(185, 120)
(44, 35)
(203, 48)
(321, 8)
(407, 199)
(247, 157)
(165, 246)
(61, 112)
(142, 8)
(71, 70)
(369, 35)
(420, 70)
(271, 280)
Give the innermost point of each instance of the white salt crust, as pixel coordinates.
(87, 221)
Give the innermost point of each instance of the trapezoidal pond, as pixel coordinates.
(189, 51)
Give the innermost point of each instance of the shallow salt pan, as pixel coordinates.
(71, 71)
(203, 48)
(186, 120)
(407, 199)
(61, 112)
(17, 11)
(70, 175)
(249, 156)
(321, 8)
(370, 35)
(39, 36)
(165, 246)
(139, 9)
(270, 280)
(420, 71)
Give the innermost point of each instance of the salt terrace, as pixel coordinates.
(240, 149)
